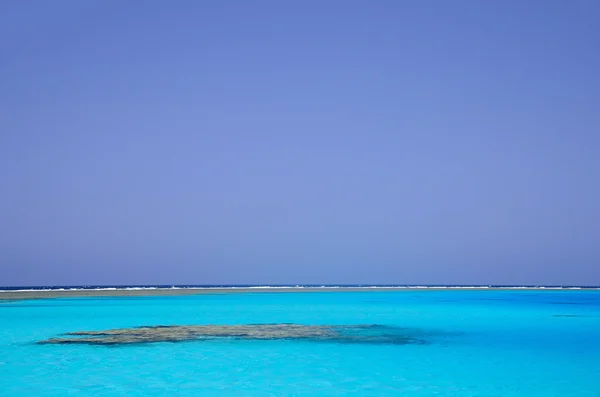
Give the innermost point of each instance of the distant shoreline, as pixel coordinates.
(153, 291)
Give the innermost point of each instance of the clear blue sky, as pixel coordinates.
(308, 141)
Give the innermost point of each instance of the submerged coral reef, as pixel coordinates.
(369, 333)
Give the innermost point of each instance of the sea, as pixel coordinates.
(522, 341)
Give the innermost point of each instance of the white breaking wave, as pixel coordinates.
(275, 287)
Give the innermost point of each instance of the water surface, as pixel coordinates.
(475, 343)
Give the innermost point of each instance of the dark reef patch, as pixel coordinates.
(364, 334)
(572, 315)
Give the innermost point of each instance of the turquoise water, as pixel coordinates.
(478, 343)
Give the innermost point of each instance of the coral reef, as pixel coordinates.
(377, 334)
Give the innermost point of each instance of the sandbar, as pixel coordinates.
(85, 293)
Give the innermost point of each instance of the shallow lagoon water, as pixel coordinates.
(476, 343)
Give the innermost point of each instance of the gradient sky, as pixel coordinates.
(329, 141)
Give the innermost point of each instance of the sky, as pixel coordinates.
(314, 141)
